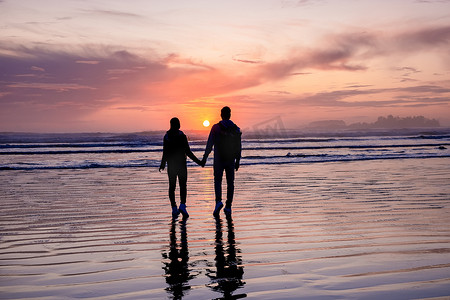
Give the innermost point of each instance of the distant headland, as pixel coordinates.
(389, 122)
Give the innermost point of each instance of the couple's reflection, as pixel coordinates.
(227, 277)
(176, 262)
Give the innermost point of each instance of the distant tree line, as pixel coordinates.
(397, 122)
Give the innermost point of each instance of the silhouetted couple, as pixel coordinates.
(225, 137)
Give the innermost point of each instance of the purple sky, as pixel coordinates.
(69, 66)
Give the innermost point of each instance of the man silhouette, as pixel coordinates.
(225, 136)
(175, 149)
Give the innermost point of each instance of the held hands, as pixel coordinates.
(161, 167)
(202, 162)
(236, 165)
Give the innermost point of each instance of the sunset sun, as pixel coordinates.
(206, 123)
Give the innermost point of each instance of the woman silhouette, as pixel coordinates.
(175, 150)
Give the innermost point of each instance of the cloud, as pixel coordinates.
(434, 89)
(248, 58)
(407, 96)
(408, 70)
(138, 108)
(247, 61)
(297, 3)
(407, 79)
(88, 62)
(120, 71)
(300, 73)
(432, 1)
(94, 79)
(354, 86)
(338, 97)
(353, 51)
(34, 68)
(47, 86)
(46, 83)
(280, 92)
(343, 56)
(341, 51)
(112, 13)
(174, 59)
(70, 88)
(423, 38)
(93, 73)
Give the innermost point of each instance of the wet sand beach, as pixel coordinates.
(335, 230)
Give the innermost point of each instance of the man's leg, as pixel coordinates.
(229, 172)
(218, 174)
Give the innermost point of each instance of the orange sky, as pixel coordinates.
(71, 66)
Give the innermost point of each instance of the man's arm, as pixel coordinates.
(239, 152)
(209, 144)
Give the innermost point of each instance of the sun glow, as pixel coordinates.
(206, 123)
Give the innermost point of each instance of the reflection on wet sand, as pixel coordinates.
(176, 262)
(227, 277)
(369, 230)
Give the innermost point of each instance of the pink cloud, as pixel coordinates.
(73, 84)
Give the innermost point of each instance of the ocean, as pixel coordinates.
(316, 215)
(103, 150)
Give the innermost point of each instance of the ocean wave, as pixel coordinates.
(259, 148)
(348, 146)
(331, 158)
(63, 138)
(90, 165)
(288, 155)
(59, 152)
(131, 151)
(433, 137)
(132, 144)
(349, 138)
(99, 140)
(248, 160)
